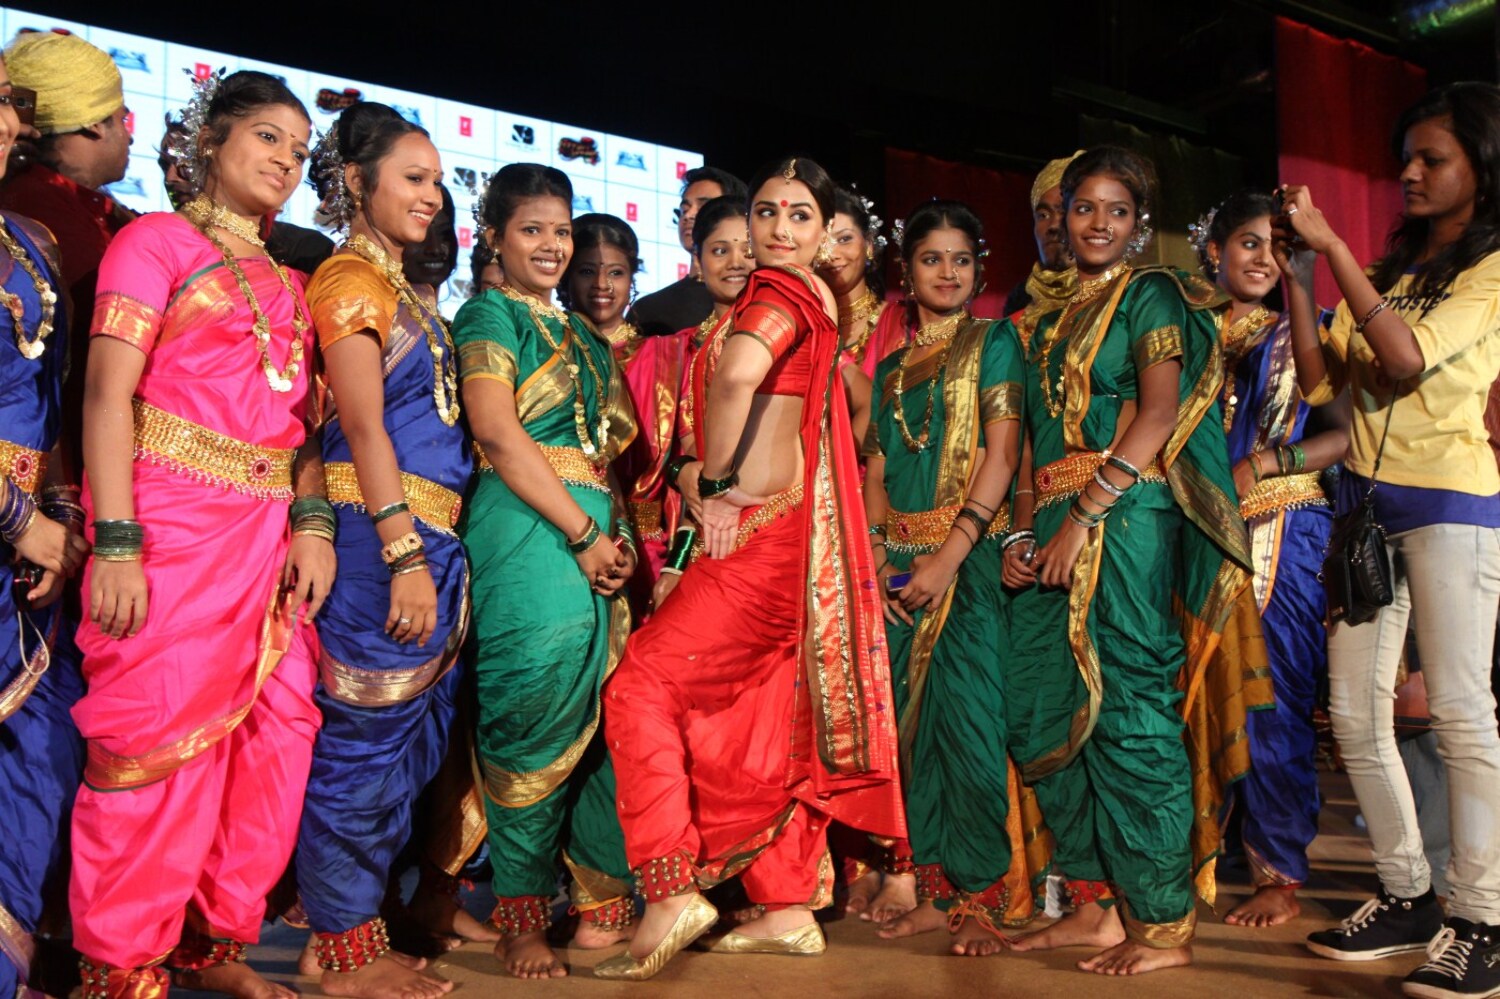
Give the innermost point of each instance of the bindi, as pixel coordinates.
(783, 202)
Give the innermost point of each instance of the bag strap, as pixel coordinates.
(1384, 434)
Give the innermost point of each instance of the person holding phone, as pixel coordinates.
(1416, 344)
(551, 548)
(940, 454)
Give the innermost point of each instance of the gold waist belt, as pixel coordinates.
(434, 505)
(780, 505)
(23, 466)
(1284, 492)
(209, 456)
(926, 530)
(646, 518)
(1062, 480)
(571, 465)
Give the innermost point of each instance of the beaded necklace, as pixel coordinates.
(542, 310)
(942, 332)
(1235, 336)
(206, 216)
(1060, 331)
(444, 373)
(865, 309)
(31, 349)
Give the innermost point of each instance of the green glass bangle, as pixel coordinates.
(709, 488)
(388, 511)
(589, 539)
(682, 548)
(675, 467)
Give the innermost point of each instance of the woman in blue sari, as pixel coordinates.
(397, 461)
(41, 754)
(1278, 445)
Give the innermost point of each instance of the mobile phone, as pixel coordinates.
(897, 582)
(1278, 203)
(27, 577)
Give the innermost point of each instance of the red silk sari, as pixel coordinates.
(757, 700)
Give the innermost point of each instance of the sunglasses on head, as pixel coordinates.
(23, 99)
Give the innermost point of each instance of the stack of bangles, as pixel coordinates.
(117, 540)
(1016, 537)
(1086, 518)
(313, 516)
(17, 512)
(980, 521)
(1290, 460)
(60, 504)
(675, 467)
(681, 552)
(625, 532)
(709, 488)
(588, 539)
(407, 553)
(878, 531)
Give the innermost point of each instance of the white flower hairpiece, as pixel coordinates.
(185, 145)
(1198, 231)
(336, 210)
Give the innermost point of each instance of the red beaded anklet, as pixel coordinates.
(522, 914)
(933, 885)
(354, 948)
(666, 876)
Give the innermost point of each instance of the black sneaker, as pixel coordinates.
(1383, 926)
(1463, 962)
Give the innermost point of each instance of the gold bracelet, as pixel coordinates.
(409, 542)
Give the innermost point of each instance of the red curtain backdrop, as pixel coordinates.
(1001, 199)
(1337, 102)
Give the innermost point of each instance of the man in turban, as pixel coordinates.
(84, 146)
(1053, 279)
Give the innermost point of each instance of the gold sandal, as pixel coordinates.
(692, 922)
(804, 940)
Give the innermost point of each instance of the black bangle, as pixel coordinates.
(675, 467)
(709, 488)
(979, 522)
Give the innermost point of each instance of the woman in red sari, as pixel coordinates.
(755, 705)
(599, 285)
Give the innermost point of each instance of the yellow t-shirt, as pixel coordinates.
(1438, 439)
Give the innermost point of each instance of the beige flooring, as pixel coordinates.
(1230, 963)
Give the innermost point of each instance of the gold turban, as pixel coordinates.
(1050, 177)
(76, 84)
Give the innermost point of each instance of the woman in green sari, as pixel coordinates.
(549, 412)
(1144, 615)
(941, 449)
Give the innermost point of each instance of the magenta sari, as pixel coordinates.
(200, 727)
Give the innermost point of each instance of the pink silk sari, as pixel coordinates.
(213, 549)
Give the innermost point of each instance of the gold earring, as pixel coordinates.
(358, 199)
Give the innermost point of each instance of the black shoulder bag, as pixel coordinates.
(1356, 568)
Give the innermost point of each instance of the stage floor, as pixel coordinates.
(1230, 963)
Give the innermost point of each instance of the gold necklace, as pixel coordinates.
(31, 349)
(623, 338)
(939, 331)
(202, 212)
(704, 329)
(596, 451)
(1060, 331)
(1234, 338)
(439, 343)
(919, 442)
(865, 309)
(217, 215)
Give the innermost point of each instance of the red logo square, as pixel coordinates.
(682, 271)
(130, 122)
(465, 125)
(465, 236)
(681, 169)
(631, 212)
(202, 70)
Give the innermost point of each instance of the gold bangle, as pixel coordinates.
(409, 542)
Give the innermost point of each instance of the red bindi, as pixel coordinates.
(783, 202)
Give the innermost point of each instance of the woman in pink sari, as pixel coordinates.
(598, 285)
(197, 643)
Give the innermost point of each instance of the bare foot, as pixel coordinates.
(526, 955)
(923, 919)
(1090, 925)
(590, 936)
(441, 915)
(1271, 905)
(1133, 958)
(386, 977)
(656, 923)
(308, 966)
(897, 897)
(773, 924)
(862, 893)
(233, 978)
(973, 939)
